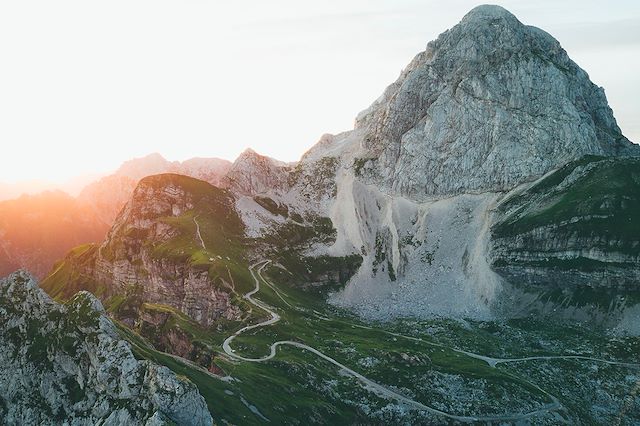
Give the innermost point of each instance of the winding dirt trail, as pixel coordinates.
(367, 383)
(493, 362)
(198, 234)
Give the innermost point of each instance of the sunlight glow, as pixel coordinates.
(87, 85)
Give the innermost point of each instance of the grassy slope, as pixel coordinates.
(70, 275)
(610, 188)
(299, 388)
(220, 227)
(223, 259)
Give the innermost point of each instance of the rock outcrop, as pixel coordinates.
(65, 364)
(156, 251)
(253, 174)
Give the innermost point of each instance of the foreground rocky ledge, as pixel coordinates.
(67, 363)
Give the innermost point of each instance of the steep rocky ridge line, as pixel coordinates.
(67, 363)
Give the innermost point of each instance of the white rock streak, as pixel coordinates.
(198, 234)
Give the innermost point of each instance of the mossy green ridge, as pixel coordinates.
(176, 235)
(209, 208)
(583, 217)
(604, 199)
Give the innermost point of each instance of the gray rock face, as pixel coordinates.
(65, 364)
(488, 105)
(253, 174)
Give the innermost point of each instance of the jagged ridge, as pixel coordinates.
(67, 363)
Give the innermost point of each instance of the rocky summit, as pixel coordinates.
(488, 105)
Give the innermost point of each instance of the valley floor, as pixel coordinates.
(310, 363)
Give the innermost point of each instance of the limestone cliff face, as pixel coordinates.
(491, 105)
(66, 363)
(488, 105)
(132, 253)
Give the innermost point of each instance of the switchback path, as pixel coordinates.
(198, 234)
(493, 362)
(369, 384)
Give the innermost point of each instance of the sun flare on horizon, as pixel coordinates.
(88, 86)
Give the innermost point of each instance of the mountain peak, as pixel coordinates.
(144, 166)
(490, 104)
(494, 19)
(489, 34)
(248, 152)
(488, 11)
(253, 173)
(249, 155)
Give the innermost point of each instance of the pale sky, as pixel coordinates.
(86, 85)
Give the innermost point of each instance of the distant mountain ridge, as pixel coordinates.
(36, 230)
(109, 194)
